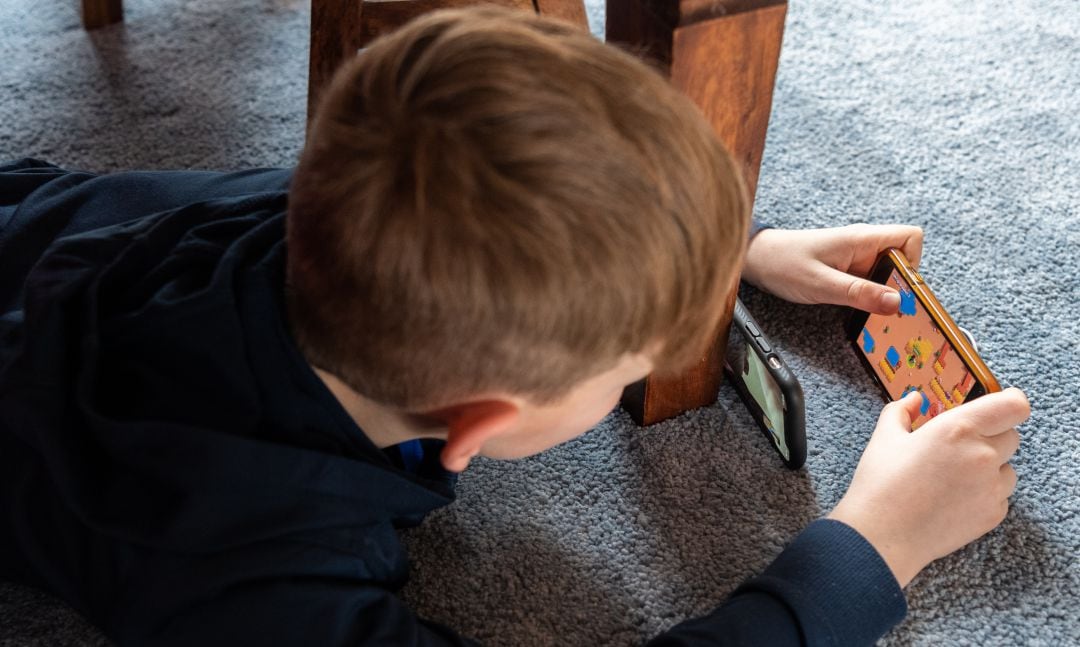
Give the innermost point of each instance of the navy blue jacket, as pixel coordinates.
(172, 468)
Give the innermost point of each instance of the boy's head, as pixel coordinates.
(495, 203)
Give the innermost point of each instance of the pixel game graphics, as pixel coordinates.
(909, 353)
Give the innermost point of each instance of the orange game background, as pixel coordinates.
(909, 353)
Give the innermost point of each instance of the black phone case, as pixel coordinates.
(794, 408)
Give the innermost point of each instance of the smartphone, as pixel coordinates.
(767, 387)
(920, 348)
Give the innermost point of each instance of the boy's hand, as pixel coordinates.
(919, 495)
(829, 265)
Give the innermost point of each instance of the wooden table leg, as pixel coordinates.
(101, 13)
(723, 54)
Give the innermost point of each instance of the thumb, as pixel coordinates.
(847, 290)
(897, 416)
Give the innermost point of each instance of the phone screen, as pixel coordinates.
(761, 386)
(909, 353)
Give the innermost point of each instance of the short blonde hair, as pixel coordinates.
(491, 201)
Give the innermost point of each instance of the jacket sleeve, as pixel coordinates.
(829, 587)
(41, 202)
(298, 612)
(77, 201)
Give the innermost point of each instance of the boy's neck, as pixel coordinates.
(381, 424)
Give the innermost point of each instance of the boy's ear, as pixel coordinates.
(471, 424)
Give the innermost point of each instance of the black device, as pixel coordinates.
(767, 387)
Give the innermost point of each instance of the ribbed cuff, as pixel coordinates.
(756, 227)
(836, 583)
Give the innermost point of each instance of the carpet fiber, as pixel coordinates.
(959, 117)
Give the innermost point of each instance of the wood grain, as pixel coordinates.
(687, 12)
(723, 54)
(570, 11)
(658, 398)
(727, 66)
(101, 13)
(637, 28)
(335, 35)
(381, 16)
(341, 27)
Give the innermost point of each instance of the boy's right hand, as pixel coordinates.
(919, 495)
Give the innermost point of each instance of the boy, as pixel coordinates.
(221, 393)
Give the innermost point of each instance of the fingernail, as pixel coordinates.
(891, 300)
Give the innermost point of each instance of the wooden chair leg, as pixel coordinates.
(723, 54)
(335, 35)
(658, 398)
(570, 11)
(340, 27)
(101, 13)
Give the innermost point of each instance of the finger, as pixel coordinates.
(847, 290)
(900, 413)
(912, 245)
(1002, 513)
(1008, 480)
(989, 415)
(1003, 411)
(1005, 444)
(907, 238)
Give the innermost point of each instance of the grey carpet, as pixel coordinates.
(959, 117)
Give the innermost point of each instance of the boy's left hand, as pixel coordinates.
(829, 265)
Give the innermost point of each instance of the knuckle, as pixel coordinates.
(962, 427)
(1013, 402)
(856, 291)
(999, 514)
(859, 230)
(1014, 441)
(892, 408)
(985, 457)
(1011, 478)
